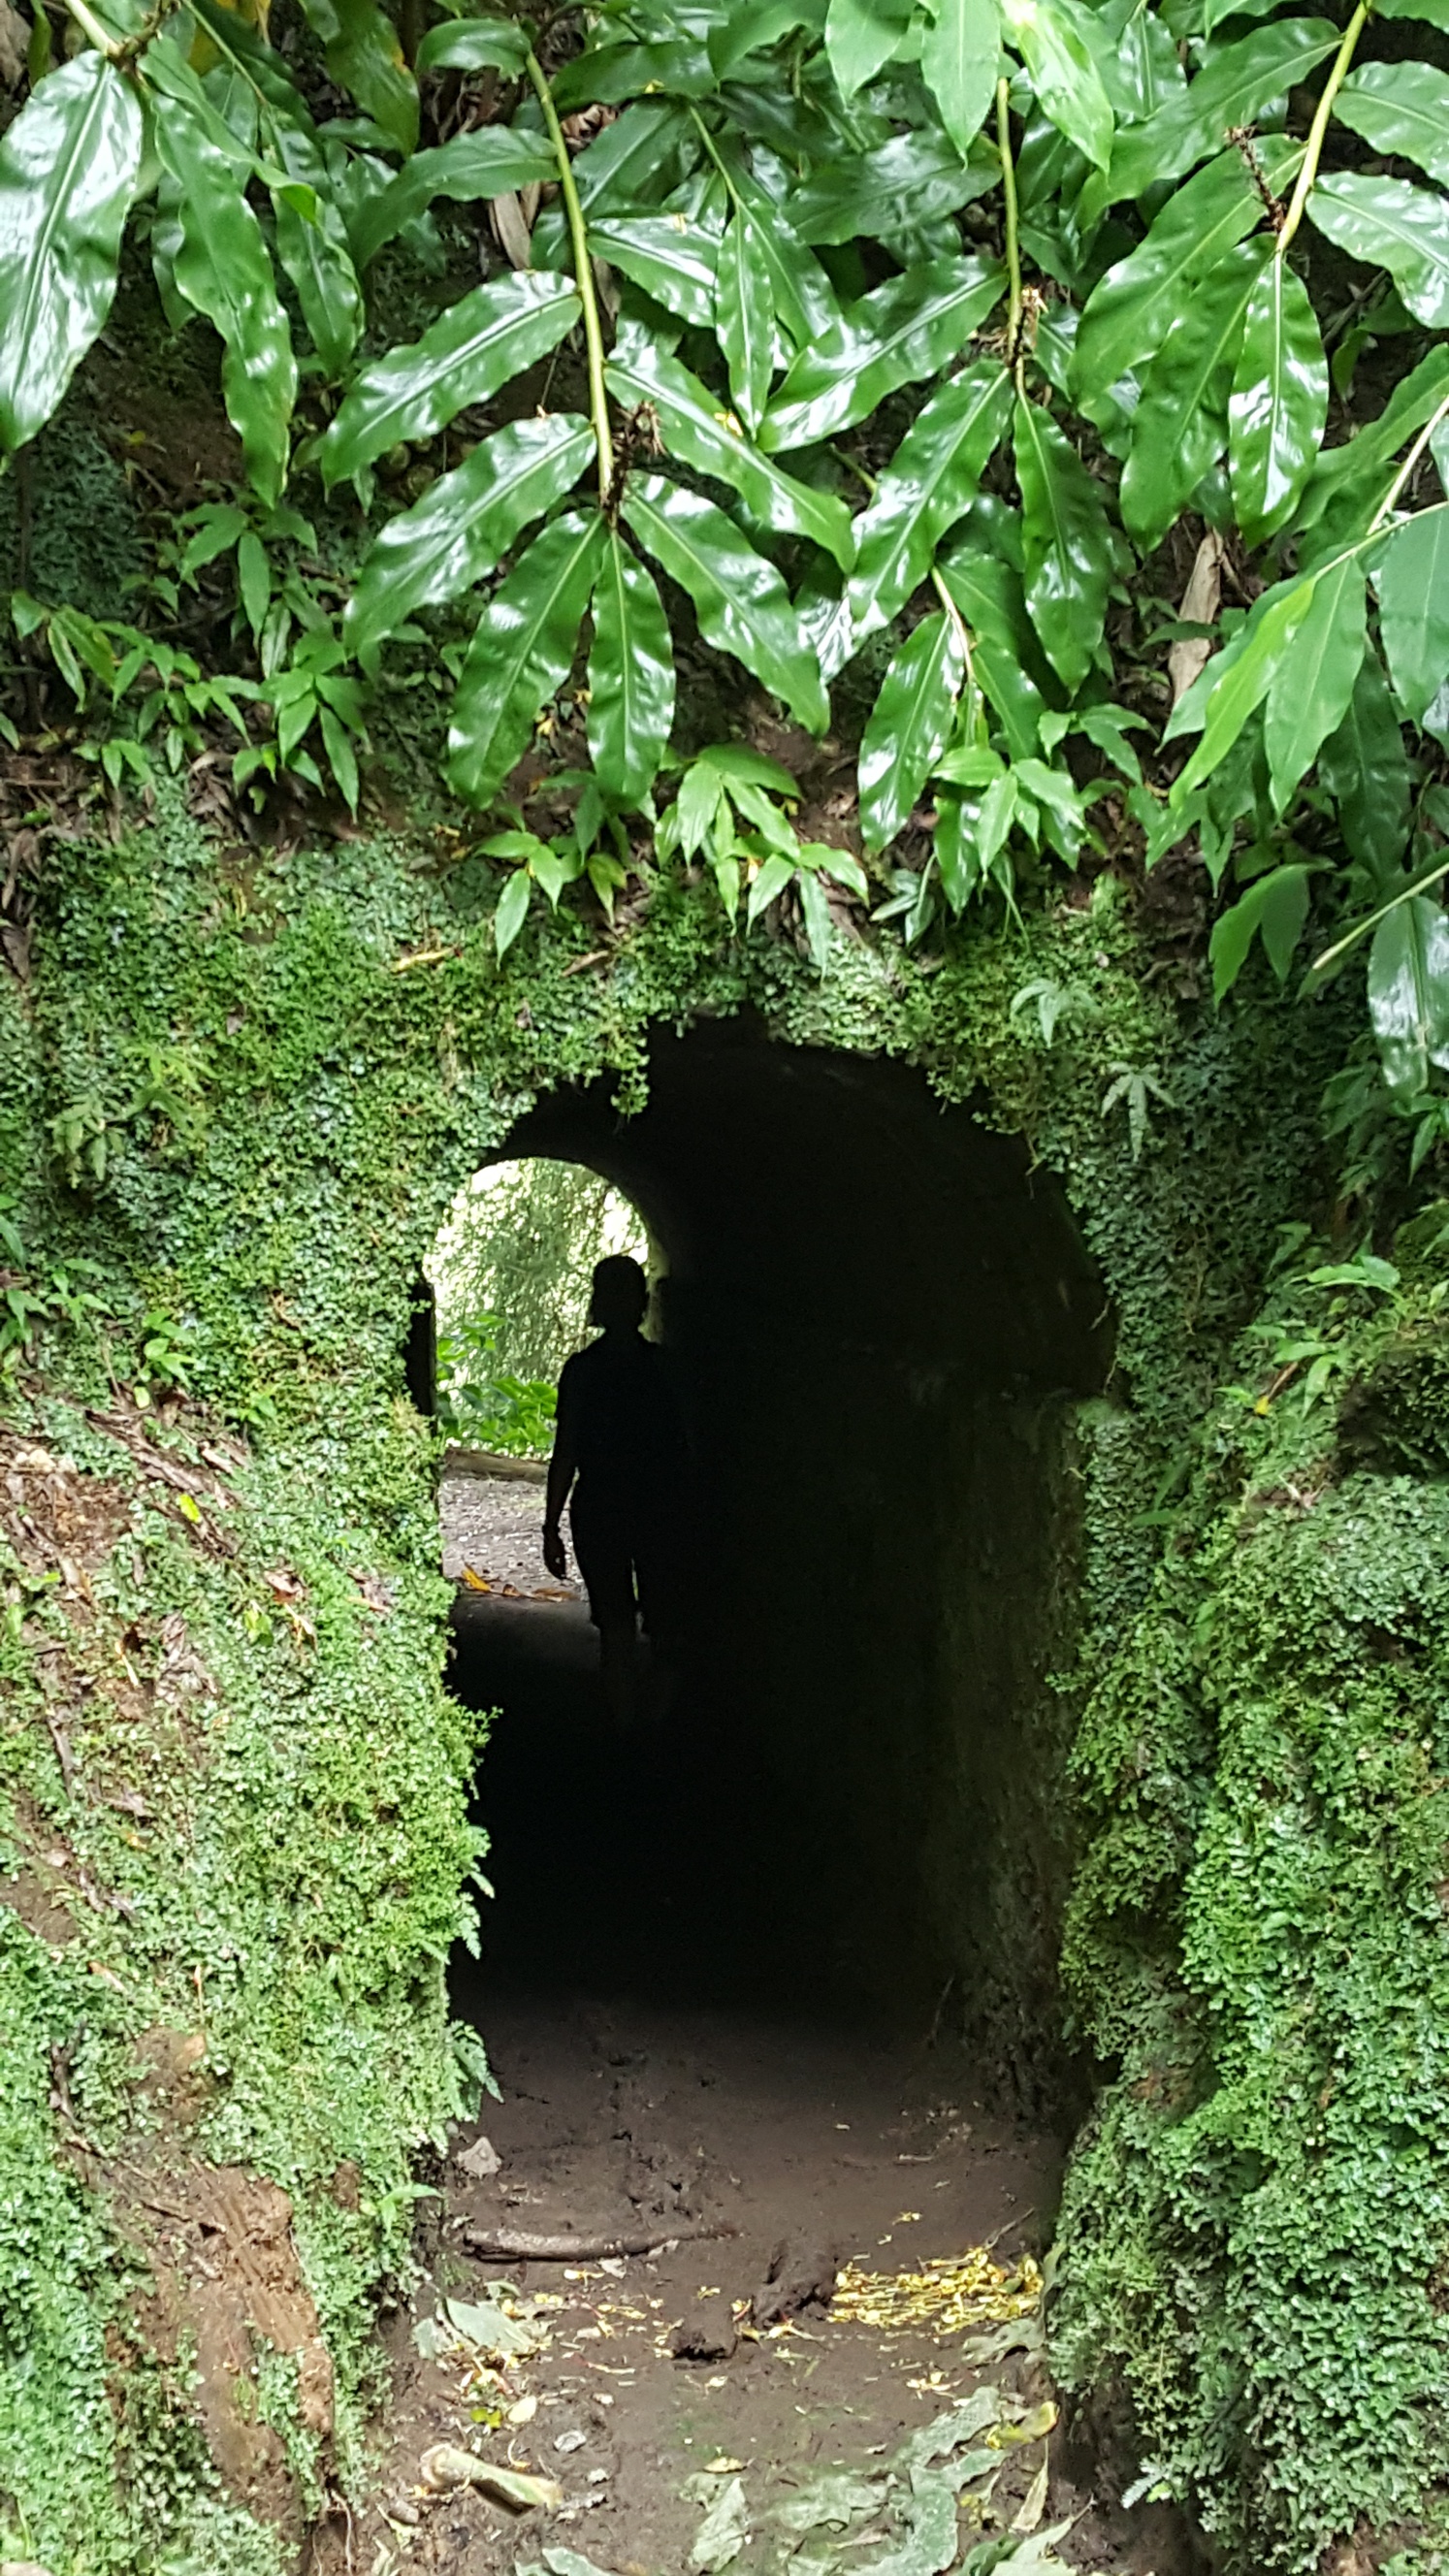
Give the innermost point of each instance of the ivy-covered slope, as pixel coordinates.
(237, 1092)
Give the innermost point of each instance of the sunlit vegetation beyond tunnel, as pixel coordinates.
(881, 1319)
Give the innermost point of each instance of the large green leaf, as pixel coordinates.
(1237, 680)
(914, 179)
(1129, 314)
(313, 247)
(223, 268)
(1313, 687)
(365, 56)
(1004, 650)
(631, 676)
(960, 51)
(522, 650)
(474, 45)
(636, 160)
(611, 73)
(805, 300)
(1365, 768)
(1274, 909)
(1180, 426)
(1395, 226)
(1354, 477)
(1053, 38)
(465, 522)
(1234, 86)
(924, 488)
(672, 259)
(909, 726)
(860, 38)
(739, 599)
(1403, 108)
(68, 170)
(1279, 401)
(909, 328)
(745, 318)
(489, 162)
(696, 427)
(1068, 543)
(1412, 581)
(485, 340)
(1408, 992)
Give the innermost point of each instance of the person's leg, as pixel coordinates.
(601, 1545)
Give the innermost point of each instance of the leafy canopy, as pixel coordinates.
(934, 334)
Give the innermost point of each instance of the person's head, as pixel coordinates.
(620, 1298)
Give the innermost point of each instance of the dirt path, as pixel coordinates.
(813, 2151)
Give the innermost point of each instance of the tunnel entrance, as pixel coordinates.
(883, 1318)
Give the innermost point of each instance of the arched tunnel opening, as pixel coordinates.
(882, 1320)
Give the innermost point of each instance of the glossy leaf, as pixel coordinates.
(805, 301)
(222, 268)
(1237, 680)
(465, 522)
(909, 328)
(860, 38)
(493, 161)
(745, 318)
(914, 179)
(1068, 544)
(485, 340)
(960, 52)
(1313, 688)
(696, 427)
(1279, 400)
(1401, 108)
(365, 56)
(909, 726)
(1231, 91)
(1395, 226)
(673, 260)
(608, 74)
(68, 170)
(739, 599)
(473, 45)
(1412, 581)
(1129, 314)
(1053, 40)
(1408, 993)
(1004, 648)
(631, 676)
(1365, 768)
(314, 250)
(1180, 426)
(522, 650)
(636, 160)
(1355, 476)
(924, 488)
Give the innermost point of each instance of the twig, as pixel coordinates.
(523, 2245)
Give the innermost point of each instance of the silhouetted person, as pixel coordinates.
(620, 1447)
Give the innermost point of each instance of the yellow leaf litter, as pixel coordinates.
(945, 2296)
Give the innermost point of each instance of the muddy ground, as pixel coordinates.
(813, 2151)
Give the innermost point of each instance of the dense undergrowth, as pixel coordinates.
(243, 1657)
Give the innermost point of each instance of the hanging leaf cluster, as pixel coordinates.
(896, 336)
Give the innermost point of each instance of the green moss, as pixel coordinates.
(281, 1069)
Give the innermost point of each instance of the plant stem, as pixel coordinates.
(712, 148)
(1013, 247)
(584, 278)
(1406, 469)
(955, 619)
(89, 26)
(1319, 128)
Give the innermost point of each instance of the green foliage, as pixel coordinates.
(487, 1407)
(1093, 244)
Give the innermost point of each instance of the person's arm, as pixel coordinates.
(562, 1469)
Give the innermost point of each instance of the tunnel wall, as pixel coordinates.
(237, 1093)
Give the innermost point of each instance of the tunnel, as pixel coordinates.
(884, 1321)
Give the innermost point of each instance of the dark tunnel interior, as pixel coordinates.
(883, 1320)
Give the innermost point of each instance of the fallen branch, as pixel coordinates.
(525, 2245)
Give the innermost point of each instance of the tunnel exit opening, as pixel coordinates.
(883, 1320)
